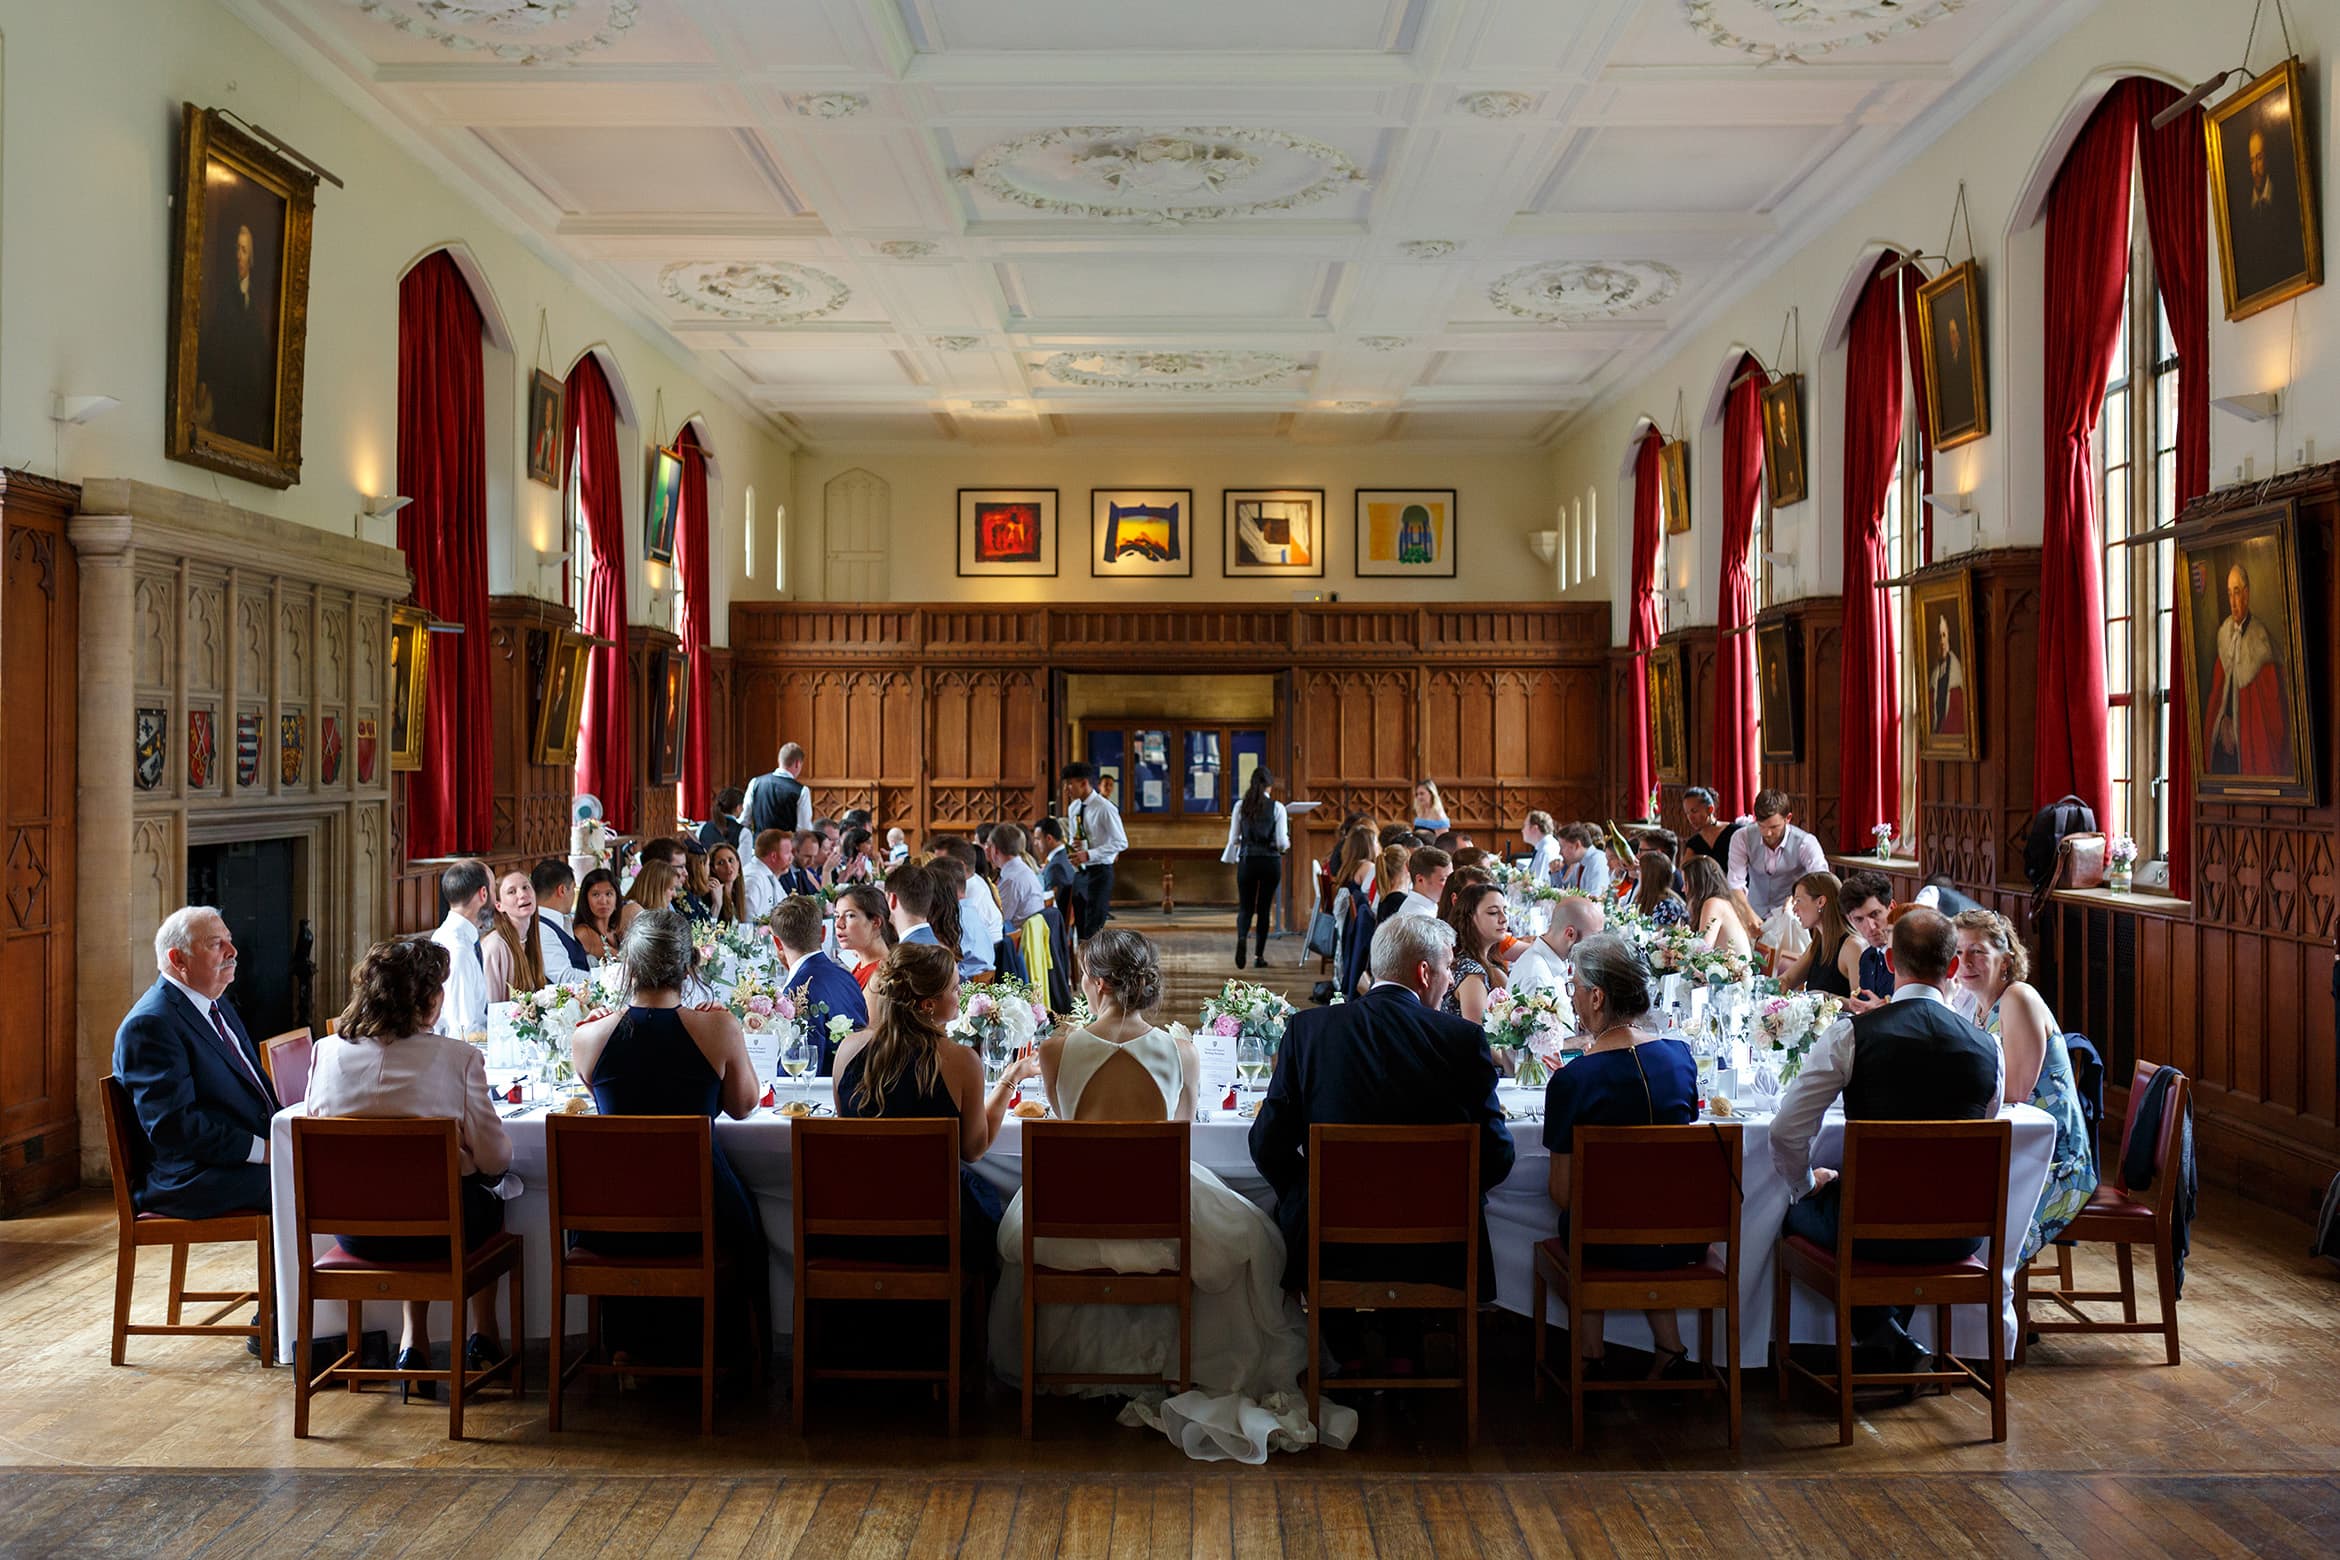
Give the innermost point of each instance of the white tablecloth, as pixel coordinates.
(1519, 1213)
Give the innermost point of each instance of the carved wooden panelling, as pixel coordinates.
(206, 633)
(1381, 632)
(984, 725)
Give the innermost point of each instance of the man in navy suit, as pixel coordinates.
(818, 981)
(195, 1078)
(1388, 1057)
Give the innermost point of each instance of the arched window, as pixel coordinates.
(598, 572)
(749, 528)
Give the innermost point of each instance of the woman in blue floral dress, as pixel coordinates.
(1992, 965)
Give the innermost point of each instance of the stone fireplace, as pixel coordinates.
(233, 671)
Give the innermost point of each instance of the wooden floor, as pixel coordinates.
(188, 1449)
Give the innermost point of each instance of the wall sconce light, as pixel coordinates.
(2258, 406)
(381, 506)
(1544, 544)
(79, 409)
(1953, 505)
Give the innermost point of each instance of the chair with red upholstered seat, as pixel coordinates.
(391, 1178)
(127, 1154)
(1647, 1186)
(286, 1057)
(1907, 1181)
(1390, 1186)
(1107, 1180)
(2125, 1219)
(878, 1179)
(634, 1175)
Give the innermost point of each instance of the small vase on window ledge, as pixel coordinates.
(2120, 863)
(1883, 834)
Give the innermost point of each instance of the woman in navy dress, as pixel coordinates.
(1627, 1077)
(659, 1058)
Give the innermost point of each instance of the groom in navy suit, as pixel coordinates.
(814, 977)
(195, 1078)
(1389, 1057)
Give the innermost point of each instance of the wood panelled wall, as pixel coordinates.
(1815, 777)
(942, 717)
(1973, 816)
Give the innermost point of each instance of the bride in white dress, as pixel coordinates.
(1250, 1340)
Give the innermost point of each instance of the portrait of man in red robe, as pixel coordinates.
(1946, 683)
(2249, 723)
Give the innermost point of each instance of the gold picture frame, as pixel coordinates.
(1779, 687)
(1958, 391)
(1941, 628)
(2275, 182)
(239, 303)
(2252, 740)
(561, 704)
(1668, 717)
(410, 670)
(670, 709)
(1783, 440)
(1674, 484)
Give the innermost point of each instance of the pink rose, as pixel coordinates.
(760, 1006)
(1226, 1024)
(785, 1007)
(979, 1006)
(1040, 1013)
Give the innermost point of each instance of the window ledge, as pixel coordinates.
(1868, 862)
(2139, 901)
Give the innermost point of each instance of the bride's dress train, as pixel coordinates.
(1250, 1341)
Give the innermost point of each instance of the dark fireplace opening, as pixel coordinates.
(256, 885)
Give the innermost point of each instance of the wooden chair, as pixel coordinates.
(129, 1154)
(1647, 1186)
(1907, 1180)
(2125, 1219)
(391, 1178)
(640, 1175)
(286, 1057)
(1403, 1187)
(1107, 1181)
(886, 1179)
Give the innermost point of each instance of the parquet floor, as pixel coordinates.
(189, 1451)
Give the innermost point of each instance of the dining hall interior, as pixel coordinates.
(651, 650)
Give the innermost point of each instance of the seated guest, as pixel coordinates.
(1941, 894)
(1709, 835)
(469, 893)
(1456, 881)
(657, 1057)
(1766, 860)
(1468, 856)
(1627, 1077)
(724, 826)
(726, 878)
(1544, 965)
(1867, 902)
(1427, 868)
(897, 846)
(656, 887)
(1914, 1059)
(598, 905)
(906, 1066)
(195, 1079)
(1993, 967)
(1429, 811)
(856, 861)
(1584, 866)
(385, 1063)
(1831, 961)
(970, 899)
(1712, 915)
(760, 876)
(823, 989)
(511, 952)
(804, 877)
(556, 901)
(1389, 1057)
(697, 899)
(1543, 847)
(1477, 917)
(913, 897)
(1060, 879)
(1653, 890)
(864, 930)
(1349, 888)
(663, 849)
(1387, 875)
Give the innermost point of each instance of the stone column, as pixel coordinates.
(101, 936)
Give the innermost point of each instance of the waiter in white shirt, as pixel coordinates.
(1098, 841)
(1547, 964)
(1767, 860)
(467, 888)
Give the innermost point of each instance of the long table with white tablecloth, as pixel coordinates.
(1519, 1213)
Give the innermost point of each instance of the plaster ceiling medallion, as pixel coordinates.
(1428, 248)
(828, 105)
(1384, 343)
(771, 292)
(1552, 291)
(506, 29)
(957, 343)
(906, 248)
(1117, 174)
(1200, 371)
(1798, 31)
(1496, 105)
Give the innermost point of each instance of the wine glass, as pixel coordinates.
(995, 1054)
(1251, 1063)
(796, 1059)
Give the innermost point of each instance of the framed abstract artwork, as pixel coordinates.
(1405, 533)
(663, 511)
(1958, 397)
(1274, 533)
(2263, 191)
(1941, 627)
(1007, 531)
(1141, 533)
(2249, 711)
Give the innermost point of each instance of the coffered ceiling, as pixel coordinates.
(1005, 221)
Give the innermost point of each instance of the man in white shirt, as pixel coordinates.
(1428, 867)
(1767, 860)
(555, 883)
(467, 888)
(1020, 897)
(1546, 962)
(759, 876)
(1584, 866)
(780, 799)
(1098, 841)
(1544, 847)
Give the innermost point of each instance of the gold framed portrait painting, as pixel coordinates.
(239, 303)
(410, 666)
(1958, 398)
(670, 708)
(1783, 440)
(1941, 627)
(2263, 192)
(1668, 716)
(1779, 669)
(2249, 715)
(1674, 484)
(545, 430)
(561, 700)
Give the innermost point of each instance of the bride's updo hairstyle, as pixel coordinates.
(657, 954)
(1123, 962)
(903, 1036)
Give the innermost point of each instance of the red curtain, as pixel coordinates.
(2176, 179)
(1914, 343)
(2087, 276)
(1641, 632)
(1737, 765)
(605, 740)
(442, 466)
(690, 562)
(1869, 689)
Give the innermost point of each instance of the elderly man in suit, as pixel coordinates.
(195, 1078)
